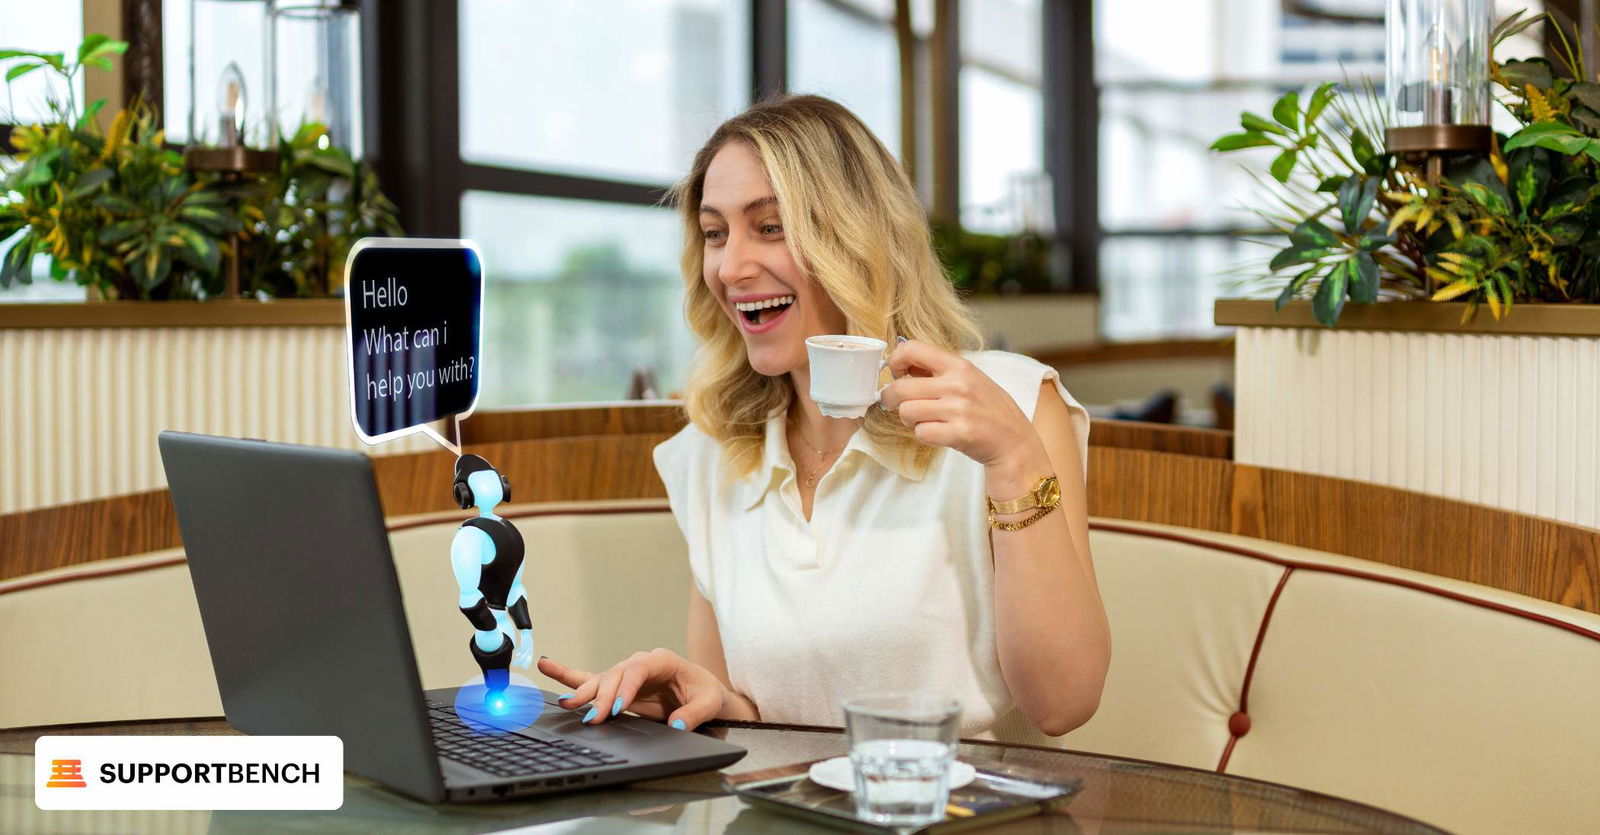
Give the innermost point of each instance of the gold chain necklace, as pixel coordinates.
(823, 456)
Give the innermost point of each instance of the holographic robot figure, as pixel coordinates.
(487, 556)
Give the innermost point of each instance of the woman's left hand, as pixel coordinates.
(950, 403)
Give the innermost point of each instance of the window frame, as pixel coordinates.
(410, 60)
(416, 75)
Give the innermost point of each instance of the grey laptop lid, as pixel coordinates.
(277, 538)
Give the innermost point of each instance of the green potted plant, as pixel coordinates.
(113, 209)
(305, 216)
(1515, 225)
(117, 211)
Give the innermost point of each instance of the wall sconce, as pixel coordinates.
(1438, 79)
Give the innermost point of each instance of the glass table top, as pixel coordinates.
(1117, 795)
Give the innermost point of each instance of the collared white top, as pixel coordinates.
(889, 585)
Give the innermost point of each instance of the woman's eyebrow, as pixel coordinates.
(758, 203)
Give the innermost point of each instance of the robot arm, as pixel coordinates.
(468, 552)
(518, 610)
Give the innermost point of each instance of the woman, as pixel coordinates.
(833, 557)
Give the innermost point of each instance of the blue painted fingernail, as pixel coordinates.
(678, 723)
(616, 706)
(589, 717)
(566, 697)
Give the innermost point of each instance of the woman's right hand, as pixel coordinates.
(659, 684)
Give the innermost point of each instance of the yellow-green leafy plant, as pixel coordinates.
(117, 210)
(1516, 224)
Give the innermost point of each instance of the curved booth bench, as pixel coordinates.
(1461, 705)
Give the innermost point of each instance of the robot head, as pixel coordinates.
(477, 482)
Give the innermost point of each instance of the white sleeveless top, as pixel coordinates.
(889, 586)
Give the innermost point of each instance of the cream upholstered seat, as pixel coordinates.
(604, 579)
(1472, 718)
(1463, 706)
(1183, 620)
(109, 640)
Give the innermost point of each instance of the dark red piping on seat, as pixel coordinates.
(1353, 572)
(1234, 731)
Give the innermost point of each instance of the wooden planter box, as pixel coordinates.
(1502, 413)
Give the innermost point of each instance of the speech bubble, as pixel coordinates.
(413, 312)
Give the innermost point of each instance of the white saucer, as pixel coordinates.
(838, 773)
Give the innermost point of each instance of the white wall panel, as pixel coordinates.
(80, 408)
(1507, 421)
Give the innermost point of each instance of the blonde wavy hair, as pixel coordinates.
(856, 229)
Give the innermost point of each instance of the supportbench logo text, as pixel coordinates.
(194, 772)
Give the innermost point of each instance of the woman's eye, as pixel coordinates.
(771, 229)
(714, 235)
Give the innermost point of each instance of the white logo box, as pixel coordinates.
(309, 772)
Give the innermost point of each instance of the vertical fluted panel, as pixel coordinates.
(1508, 421)
(80, 408)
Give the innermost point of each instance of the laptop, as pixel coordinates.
(302, 612)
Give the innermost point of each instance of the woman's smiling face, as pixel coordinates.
(750, 270)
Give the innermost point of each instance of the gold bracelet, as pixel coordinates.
(1017, 526)
(1046, 495)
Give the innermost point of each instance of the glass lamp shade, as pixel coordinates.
(1438, 62)
(228, 72)
(316, 70)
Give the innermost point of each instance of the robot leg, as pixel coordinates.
(496, 664)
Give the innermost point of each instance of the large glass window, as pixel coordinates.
(626, 90)
(38, 27)
(583, 296)
(846, 51)
(1004, 187)
(580, 296)
(1163, 285)
(1171, 209)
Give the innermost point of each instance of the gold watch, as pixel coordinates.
(1046, 496)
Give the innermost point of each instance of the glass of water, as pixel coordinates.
(902, 746)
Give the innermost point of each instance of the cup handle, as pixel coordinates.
(883, 362)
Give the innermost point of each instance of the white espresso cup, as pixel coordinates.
(844, 373)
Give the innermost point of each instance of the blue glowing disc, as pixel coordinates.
(499, 711)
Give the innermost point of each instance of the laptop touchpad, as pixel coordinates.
(573, 727)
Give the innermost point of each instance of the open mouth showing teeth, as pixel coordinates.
(764, 311)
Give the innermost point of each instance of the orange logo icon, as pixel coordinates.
(66, 774)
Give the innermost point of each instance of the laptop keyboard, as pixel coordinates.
(509, 755)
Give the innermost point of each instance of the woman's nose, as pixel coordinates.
(738, 262)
